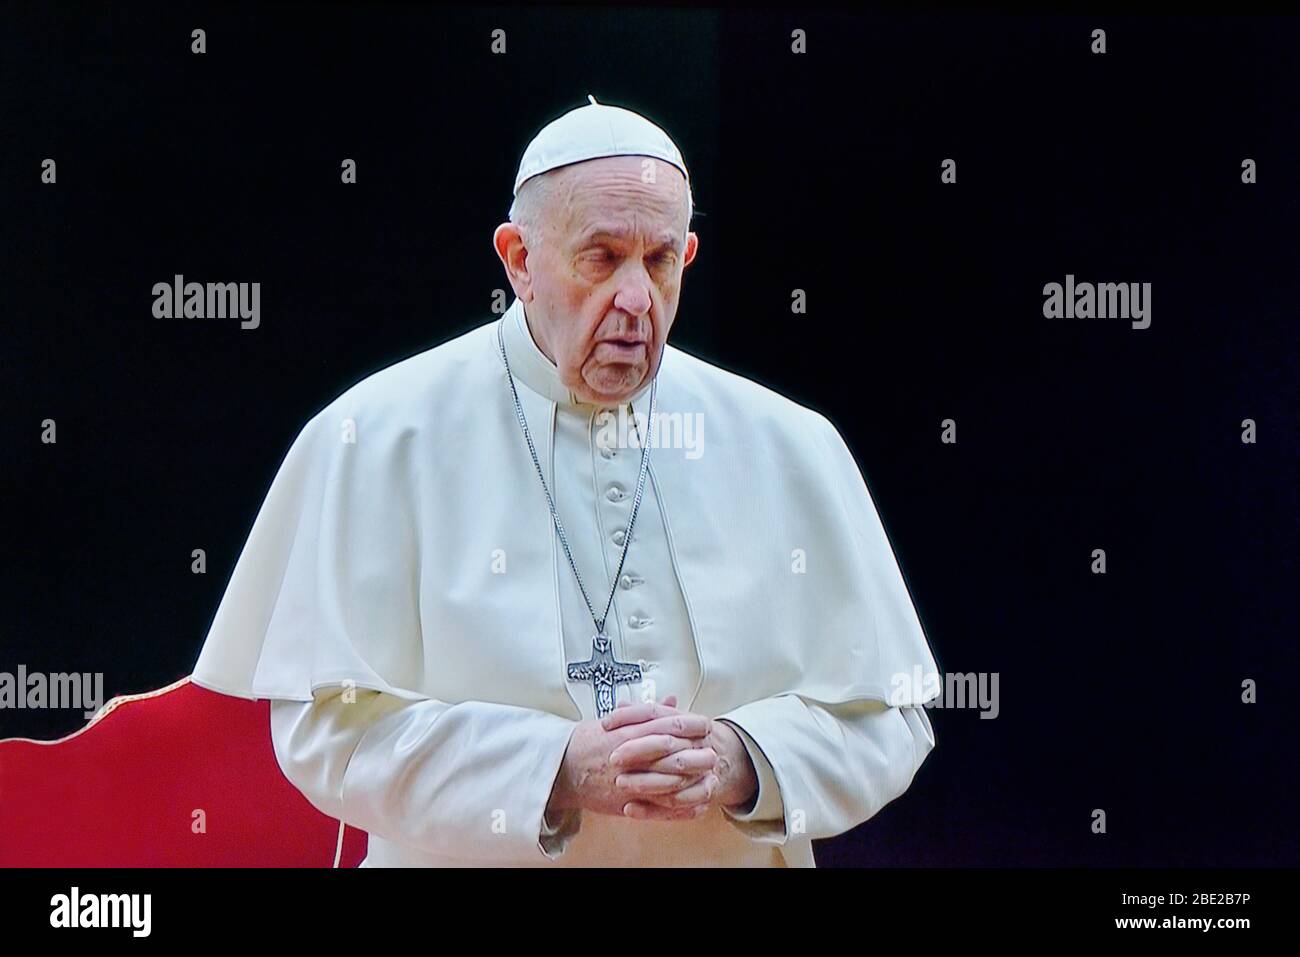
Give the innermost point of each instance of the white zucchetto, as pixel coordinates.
(591, 132)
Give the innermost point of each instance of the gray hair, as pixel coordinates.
(535, 193)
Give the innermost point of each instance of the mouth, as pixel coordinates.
(628, 350)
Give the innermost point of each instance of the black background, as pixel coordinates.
(818, 172)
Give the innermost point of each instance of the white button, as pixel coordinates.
(625, 582)
(615, 493)
(617, 537)
(606, 453)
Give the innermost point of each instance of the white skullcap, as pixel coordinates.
(593, 131)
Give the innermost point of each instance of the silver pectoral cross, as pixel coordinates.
(605, 672)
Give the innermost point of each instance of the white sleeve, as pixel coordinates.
(470, 780)
(835, 765)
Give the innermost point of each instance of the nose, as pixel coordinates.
(634, 296)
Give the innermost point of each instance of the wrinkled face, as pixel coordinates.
(600, 271)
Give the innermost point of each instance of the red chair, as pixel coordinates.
(178, 777)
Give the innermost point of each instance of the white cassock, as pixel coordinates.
(405, 557)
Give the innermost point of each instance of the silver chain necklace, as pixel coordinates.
(603, 670)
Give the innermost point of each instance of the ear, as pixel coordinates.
(508, 242)
(692, 246)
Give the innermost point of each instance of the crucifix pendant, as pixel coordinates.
(605, 672)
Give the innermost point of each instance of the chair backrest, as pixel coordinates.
(178, 777)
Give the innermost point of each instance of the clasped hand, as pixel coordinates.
(653, 762)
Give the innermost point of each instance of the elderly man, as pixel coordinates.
(504, 621)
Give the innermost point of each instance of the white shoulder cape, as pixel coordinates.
(371, 561)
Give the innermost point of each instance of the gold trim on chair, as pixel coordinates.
(112, 705)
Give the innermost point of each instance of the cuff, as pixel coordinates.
(764, 821)
(766, 803)
(554, 838)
